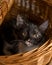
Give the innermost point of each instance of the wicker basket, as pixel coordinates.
(41, 10)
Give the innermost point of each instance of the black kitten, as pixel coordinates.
(28, 32)
(35, 36)
(34, 33)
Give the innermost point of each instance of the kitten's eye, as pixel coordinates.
(37, 35)
(34, 36)
(23, 34)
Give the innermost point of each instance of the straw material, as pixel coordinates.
(38, 56)
(5, 6)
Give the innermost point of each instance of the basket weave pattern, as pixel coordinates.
(38, 56)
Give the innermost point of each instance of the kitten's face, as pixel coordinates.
(34, 35)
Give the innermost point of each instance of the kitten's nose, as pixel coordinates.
(28, 43)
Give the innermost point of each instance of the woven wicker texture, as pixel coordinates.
(38, 56)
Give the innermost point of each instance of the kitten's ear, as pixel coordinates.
(43, 26)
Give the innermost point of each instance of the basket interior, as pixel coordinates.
(35, 18)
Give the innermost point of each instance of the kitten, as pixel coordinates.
(34, 33)
(30, 33)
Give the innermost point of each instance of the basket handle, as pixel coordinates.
(5, 6)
